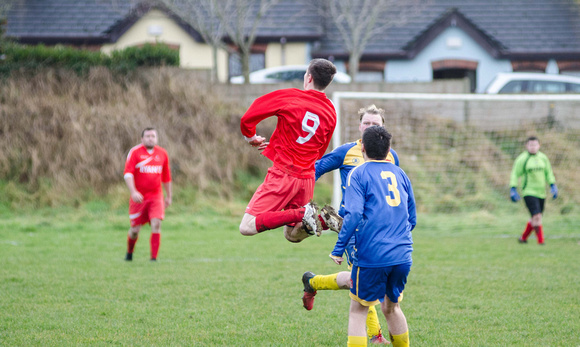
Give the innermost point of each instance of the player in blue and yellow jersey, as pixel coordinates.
(345, 158)
(380, 212)
(535, 170)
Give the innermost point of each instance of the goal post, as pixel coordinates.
(458, 149)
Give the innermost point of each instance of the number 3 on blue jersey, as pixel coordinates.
(394, 197)
(310, 129)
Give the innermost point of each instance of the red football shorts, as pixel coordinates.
(280, 191)
(142, 213)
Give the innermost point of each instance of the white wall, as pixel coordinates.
(419, 69)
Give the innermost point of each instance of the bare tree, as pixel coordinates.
(240, 20)
(4, 7)
(202, 16)
(358, 21)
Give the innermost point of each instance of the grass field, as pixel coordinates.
(63, 282)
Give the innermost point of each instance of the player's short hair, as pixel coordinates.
(532, 138)
(377, 142)
(372, 109)
(322, 72)
(146, 129)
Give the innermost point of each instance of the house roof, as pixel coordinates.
(103, 21)
(506, 29)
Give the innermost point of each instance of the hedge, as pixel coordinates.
(23, 58)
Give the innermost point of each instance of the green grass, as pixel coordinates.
(63, 282)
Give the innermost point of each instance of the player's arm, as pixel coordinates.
(411, 207)
(130, 178)
(550, 178)
(354, 207)
(263, 107)
(168, 193)
(166, 181)
(130, 182)
(517, 171)
(395, 156)
(331, 161)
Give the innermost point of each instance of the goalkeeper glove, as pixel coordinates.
(514, 194)
(554, 190)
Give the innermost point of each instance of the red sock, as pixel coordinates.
(155, 241)
(324, 226)
(273, 220)
(527, 232)
(131, 244)
(540, 234)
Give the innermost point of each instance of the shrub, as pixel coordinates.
(31, 59)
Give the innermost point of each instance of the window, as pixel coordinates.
(513, 87)
(546, 87)
(257, 62)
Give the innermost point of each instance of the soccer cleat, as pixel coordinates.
(522, 241)
(153, 259)
(309, 292)
(379, 340)
(310, 219)
(332, 219)
(129, 257)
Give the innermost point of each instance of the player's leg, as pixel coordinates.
(138, 216)
(356, 324)
(398, 329)
(396, 321)
(268, 207)
(536, 206)
(367, 286)
(156, 212)
(312, 283)
(132, 237)
(537, 222)
(374, 328)
(526, 233)
(155, 239)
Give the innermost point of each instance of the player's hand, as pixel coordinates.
(336, 260)
(554, 190)
(137, 197)
(263, 146)
(514, 194)
(256, 141)
(168, 201)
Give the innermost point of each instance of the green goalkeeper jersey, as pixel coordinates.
(535, 171)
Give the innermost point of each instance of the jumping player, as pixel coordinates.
(345, 158)
(146, 170)
(306, 121)
(380, 212)
(536, 170)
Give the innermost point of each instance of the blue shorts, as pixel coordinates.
(370, 285)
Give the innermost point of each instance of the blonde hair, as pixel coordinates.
(372, 109)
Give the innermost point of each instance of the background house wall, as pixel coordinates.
(192, 54)
(293, 53)
(419, 69)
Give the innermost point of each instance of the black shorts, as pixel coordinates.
(534, 204)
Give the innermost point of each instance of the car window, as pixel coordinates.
(546, 87)
(573, 87)
(513, 87)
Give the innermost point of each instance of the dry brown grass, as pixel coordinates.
(75, 133)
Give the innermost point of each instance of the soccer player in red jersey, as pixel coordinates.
(146, 170)
(306, 121)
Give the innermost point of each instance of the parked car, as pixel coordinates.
(286, 73)
(529, 82)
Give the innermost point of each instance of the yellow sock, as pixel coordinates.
(356, 341)
(401, 340)
(324, 282)
(373, 325)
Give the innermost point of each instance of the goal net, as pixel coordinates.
(458, 149)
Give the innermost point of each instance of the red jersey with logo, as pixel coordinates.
(149, 169)
(306, 121)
